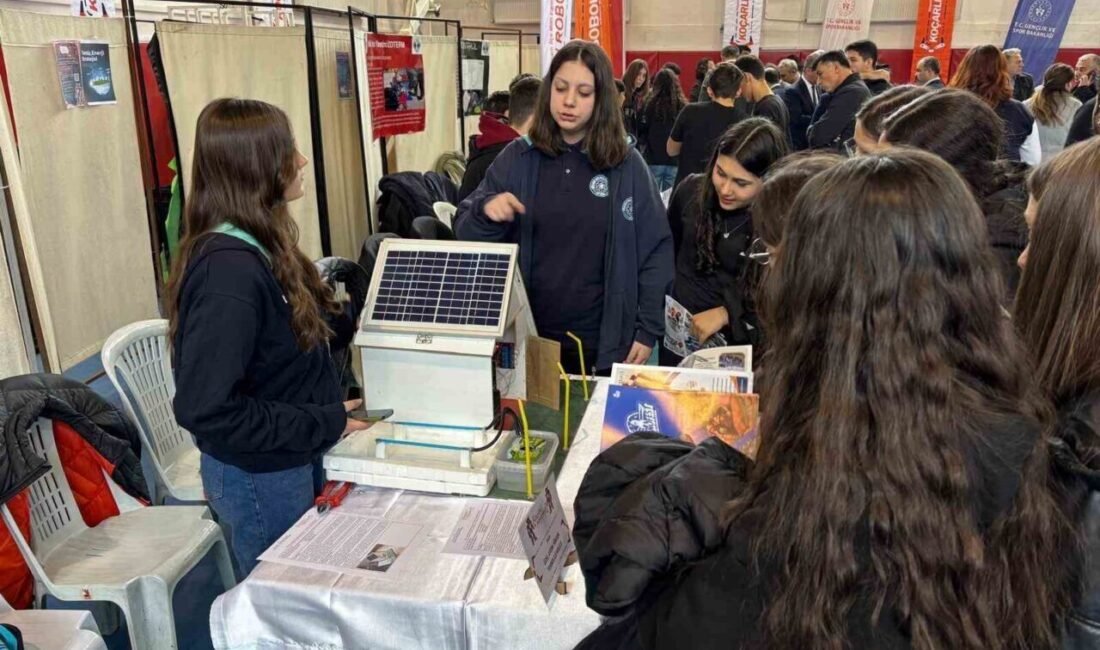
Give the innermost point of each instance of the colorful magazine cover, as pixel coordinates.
(688, 416)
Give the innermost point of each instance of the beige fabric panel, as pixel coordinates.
(503, 64)
(79, 202)
(13, 353)
(532, 59)
(417, 152)
(347, 200)
(206, 62)
(370, 145)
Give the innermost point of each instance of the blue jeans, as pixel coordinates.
(255, 510)
(665, 175)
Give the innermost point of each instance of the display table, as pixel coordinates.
(450, 602)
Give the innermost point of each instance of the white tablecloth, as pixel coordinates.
(54, 629)
(454, 602)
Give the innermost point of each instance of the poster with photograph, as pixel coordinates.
(395, 70)
(95, 73)
(678, 336)
(475, 76)
(343, 75)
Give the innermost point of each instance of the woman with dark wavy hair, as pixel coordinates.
(984, 72)
(963, 130)
(659, 114)
(255, 384)
(897, 498)
(711, 217)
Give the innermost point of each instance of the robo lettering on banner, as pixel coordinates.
(743, 23)
(601, 21)
(557, 29)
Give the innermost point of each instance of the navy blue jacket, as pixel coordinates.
(638, 266)
(250, 396)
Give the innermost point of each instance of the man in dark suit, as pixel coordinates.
(835, 119)
(1023, 86)
(801, 98)
(928, 72)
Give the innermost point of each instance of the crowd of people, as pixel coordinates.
(917, 268)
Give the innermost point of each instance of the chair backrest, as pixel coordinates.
(137, 360)
(54, 513)
(432, 228)
(368, 256)
(445, 212)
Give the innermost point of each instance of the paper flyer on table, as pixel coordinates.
(488, 527)
(731, 357)
(546, 539)
(684, 379)
(683, 415)
(346, 543)
(678, 337)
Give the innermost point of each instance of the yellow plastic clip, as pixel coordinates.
(584, 368)
(527, 451)
(565, 420)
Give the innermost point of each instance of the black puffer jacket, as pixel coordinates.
(647, 505)
(1004, 217)
(1077, 455)
(106, 428)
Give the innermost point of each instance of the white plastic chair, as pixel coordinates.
(54, 629)
(133, 560)
(445, 212)
(137, 361)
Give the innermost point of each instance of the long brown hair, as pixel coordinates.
(245, 158)
(772, 206)
(630, 77)
(875, 110)
(756, 144)
(1058, 303)
(883, 365)
(605, 140)
(1049, 101)
(666, 98)
(984, 72)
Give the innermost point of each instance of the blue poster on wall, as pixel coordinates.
(1036, 29)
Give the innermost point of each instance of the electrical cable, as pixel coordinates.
(499, 423)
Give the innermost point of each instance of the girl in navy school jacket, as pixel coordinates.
(594, 243)
(255, 384)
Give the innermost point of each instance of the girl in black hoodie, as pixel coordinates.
(255, 383)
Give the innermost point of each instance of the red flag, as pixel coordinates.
(601, 21)
(935, 24)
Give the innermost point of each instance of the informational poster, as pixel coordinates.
(395, 69)
(1036, 30)
(845, 21)
(743, 23)
(84, 73)
(546, 539)
(343, 75)
(935, 25)
(488, 527)
(475, 76)
(678, 336)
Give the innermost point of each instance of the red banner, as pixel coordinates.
(395, 75)
(935, 24)
(601, 21)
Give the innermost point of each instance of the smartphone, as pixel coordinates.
(370, 415)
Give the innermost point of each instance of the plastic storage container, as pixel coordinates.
(512, 476)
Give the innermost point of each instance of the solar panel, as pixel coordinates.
(442, 286)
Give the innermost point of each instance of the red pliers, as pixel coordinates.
(332, 495)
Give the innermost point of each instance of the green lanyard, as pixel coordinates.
(227, 228)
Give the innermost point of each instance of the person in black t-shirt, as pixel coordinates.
(664, 104)
(757, 90)
(700, 125)
(712, 230)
